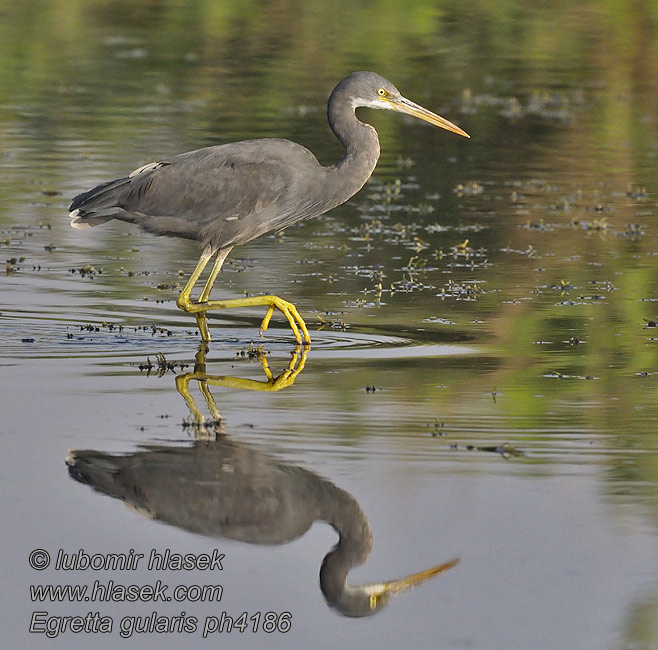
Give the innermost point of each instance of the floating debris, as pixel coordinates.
(562, 285)
(335, 324)
(505, 450)
(467, 290)
(161, 366)
(439, 320)
(470, 188)
(638, 193)
(632, 230)
(437, 428)
(201, 427)
(87, 271)
(252, 352)
(558, 106)
(556, 374)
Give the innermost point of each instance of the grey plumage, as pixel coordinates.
(226, 195)
(226, 489)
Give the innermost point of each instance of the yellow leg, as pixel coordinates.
(217, 267)
(203, 304)
(184, 298)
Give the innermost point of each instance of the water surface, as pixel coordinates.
(483, 378)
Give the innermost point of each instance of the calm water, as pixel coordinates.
(483, 378)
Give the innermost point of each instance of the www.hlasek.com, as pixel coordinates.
(43, 622)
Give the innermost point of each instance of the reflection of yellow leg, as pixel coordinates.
(202, 324)
(202, 429)
(210, 401)
(272, 383)
(285, 379)
(288, 376)
(203, 305)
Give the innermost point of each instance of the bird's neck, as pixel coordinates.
(359, 140)
(344, 514)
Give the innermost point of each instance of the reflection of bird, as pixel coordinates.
(227, 195)
(225, 489)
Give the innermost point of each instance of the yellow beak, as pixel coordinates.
(381, 592)
(402, 584)
(403, 105)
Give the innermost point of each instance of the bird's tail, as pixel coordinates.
(99, 205)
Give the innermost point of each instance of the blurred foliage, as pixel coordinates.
(242, 57)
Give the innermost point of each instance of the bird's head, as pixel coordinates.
(367, 599)
(371, 90)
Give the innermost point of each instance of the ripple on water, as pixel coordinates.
(51, 335)
(372, 345)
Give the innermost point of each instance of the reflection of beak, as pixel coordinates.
(384, 590)
(405, 106)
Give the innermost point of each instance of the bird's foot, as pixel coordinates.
(290, 312)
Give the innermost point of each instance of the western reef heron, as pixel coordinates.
(226, 195)
(227, 489)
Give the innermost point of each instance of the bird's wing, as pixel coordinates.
(225, 182)
(221, 196)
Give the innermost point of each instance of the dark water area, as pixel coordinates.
(482, 382)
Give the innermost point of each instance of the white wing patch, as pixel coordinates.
(76, 220)
(149, 167)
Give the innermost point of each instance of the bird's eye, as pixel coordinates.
(382, 93)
